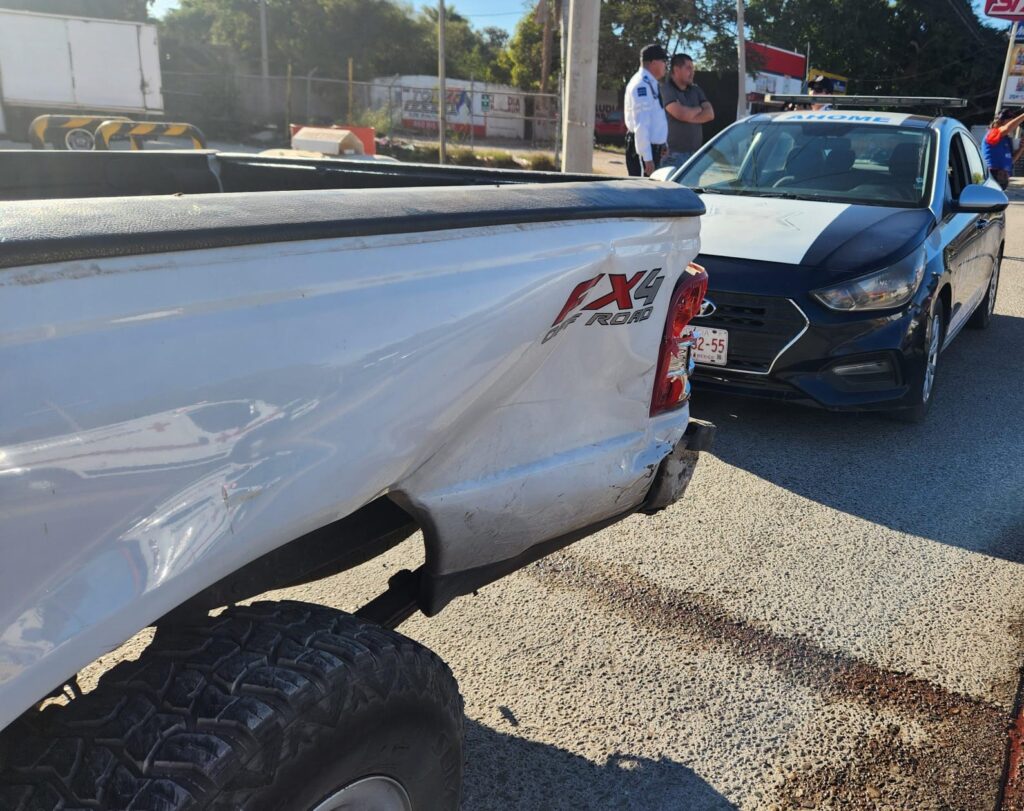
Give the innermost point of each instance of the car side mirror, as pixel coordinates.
(664, 172)
(981, 199)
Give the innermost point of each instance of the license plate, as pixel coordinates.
(712, 346)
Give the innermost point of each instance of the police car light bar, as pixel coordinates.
(867, 101)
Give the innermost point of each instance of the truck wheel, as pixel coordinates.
(272, 706)
(79, 140)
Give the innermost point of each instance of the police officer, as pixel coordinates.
(821, 86)
(645, 119)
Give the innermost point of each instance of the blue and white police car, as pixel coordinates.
(845, 250)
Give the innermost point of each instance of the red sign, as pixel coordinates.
(1005, 9)
(777, 60)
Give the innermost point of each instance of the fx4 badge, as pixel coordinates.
(641, 287)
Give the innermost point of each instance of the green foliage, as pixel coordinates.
(906, 47)
(521, 59)
(541, 162)
(629, 25)
(469, 54)
(382, 37)
(378, 119)
(913, 47)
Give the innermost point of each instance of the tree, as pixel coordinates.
(720, 43)
(521, 59)
(469, 54)
(897, 47)
(382, 37)
(942, 49)
(488, 55)
(186, 41)
(629, 25)
(845, 37)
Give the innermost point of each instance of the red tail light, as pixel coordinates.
(675, 362)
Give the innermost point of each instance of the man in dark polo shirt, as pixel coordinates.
(686, 108)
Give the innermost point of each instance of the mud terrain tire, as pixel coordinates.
(269, 706)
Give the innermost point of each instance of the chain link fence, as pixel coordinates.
(478, 113)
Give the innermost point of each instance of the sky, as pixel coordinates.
(503, 13)
(506, 13)
(481, 13)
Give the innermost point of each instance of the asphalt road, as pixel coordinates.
(607, 162)
(832, 618)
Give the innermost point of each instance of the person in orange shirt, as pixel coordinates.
(997, 147)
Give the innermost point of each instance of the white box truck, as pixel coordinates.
(52, 63)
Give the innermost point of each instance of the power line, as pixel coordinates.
(963, 19)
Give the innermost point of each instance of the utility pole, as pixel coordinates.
(348, 109)
(562, 10)
(580, 86)
(543, 108)
(741, 63)
(264, 58)
(545, 46)
(1006, 67)
(442, 99)
(309, 94)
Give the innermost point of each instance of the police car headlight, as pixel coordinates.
(892, 287)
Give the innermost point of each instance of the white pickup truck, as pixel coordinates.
(225, 374)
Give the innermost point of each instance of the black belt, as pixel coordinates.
(631, 139)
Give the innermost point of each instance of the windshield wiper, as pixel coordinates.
(778, 195)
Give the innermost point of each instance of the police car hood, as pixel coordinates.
(839, 238)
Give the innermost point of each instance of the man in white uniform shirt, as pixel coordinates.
(645, 119)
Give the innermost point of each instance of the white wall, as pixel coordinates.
(491, 110)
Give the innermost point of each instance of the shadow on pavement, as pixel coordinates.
(958, 478)
(506, 772)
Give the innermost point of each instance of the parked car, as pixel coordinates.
(845, 249)
(229, 374)
(610, 128)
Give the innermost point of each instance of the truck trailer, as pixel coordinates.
(52, 63)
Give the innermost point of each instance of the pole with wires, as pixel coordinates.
(580, 86)
(264, 58)
(442, 95)
(741, 63)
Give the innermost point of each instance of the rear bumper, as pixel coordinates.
(676, 469)
(670, 481)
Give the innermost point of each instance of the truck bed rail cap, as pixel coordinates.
(45, 231)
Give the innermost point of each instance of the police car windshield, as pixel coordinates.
(869, 164)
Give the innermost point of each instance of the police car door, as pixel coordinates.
(964, 237)
(991, 224)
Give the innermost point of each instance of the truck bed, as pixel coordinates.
(49, 174)
(227, 373)
(70, 206)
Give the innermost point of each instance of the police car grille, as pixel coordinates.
(759, 327)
